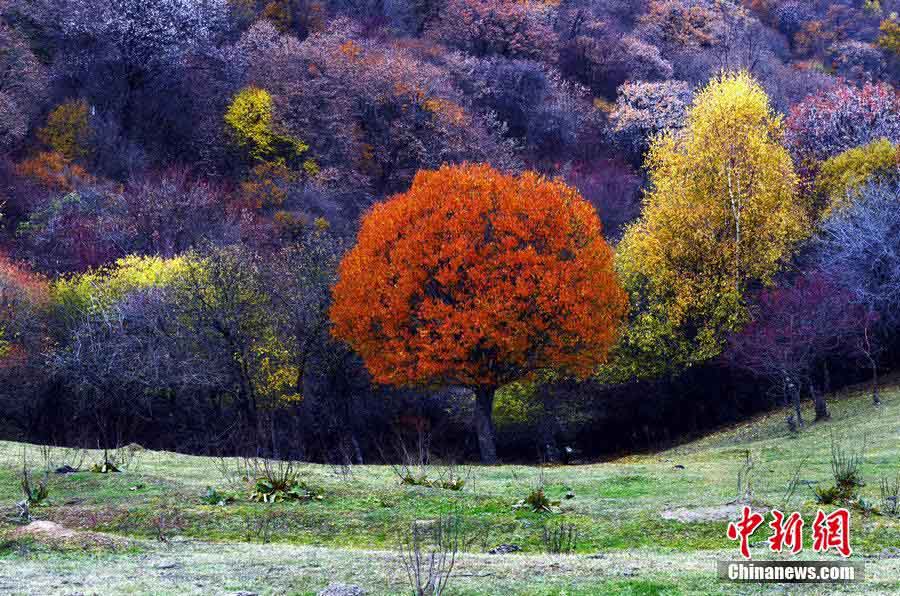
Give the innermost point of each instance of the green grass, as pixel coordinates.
(625, 545)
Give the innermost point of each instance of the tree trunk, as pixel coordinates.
(274, 432)
(357, 451)
(875, 397)
(797, 410)
(821, 404)
(484, 423)
(548, 426)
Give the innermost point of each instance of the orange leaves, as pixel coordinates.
(22, 294)
(351, 49)
(14, 277)
(54, 171)
(477, 277)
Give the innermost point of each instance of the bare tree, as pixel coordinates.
(860, 249)
(792, 328)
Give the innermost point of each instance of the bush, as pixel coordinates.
(644, 110)
(428, 553)
(214, 497)
(846, 467)
(280, 482)
(827, 496)
(560, 538)
(832, 121)
(890, 496)
(842, 175)
(538, 501)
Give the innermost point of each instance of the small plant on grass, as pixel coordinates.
(745, 477)
(864, 506)
(341, 461)
(846, 470)
(428, 553)
(263, 527)
(448, 480)
(537, 500)
(70, 460)
(47, 457)
(415, 467)
(107, 466)
(280, 481)
(846, 467)
(827, 495)
(166, 521)
(34, 494)
(214, 497)
(129, 457)
(238, 471)
(451, 476)
(409, 479)
(890, 496)
(559, 538)
(790, 492)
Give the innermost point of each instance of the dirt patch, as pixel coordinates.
(727, 512)
(53, 534)
(85, 517)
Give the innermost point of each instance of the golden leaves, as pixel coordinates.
(722, 210)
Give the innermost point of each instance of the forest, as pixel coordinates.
(508, 230)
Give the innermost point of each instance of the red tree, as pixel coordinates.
(478, 278)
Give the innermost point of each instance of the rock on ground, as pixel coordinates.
(342, 590)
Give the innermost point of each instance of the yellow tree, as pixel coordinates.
(722, 212)
(68, 130)
(890, 34)
(842, 177)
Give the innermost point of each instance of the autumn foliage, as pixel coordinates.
(476, 277)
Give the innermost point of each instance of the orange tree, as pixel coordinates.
(478, 278)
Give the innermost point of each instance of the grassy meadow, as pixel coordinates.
(644, 524)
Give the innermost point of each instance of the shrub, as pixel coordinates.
(214, 497)
(538, 501)
(842, 175)
(827, 496)
(560, 538)
(250, 120)
(497, 27)
(890, 495)
(428, 553)
(281, 482)
(644, 110)
(93, 292)
(832, 121)
(846, 467)
(68, 131)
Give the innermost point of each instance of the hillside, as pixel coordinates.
(645, 525)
